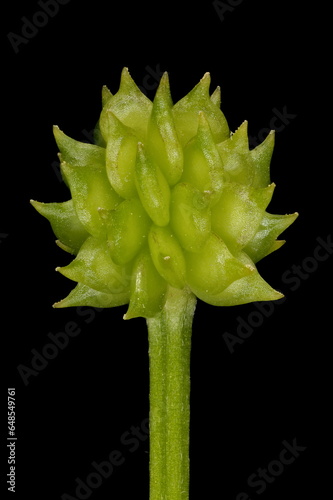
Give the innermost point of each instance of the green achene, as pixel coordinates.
(167, 207)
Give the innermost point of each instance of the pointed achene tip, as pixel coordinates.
(163, 89)
(128, 85)
(35, 204)
(125, 78)
(58, 133)
(270, 137)
(56, 129)
(164, 78)
(140, 147)
(205, 82)
(164, 83)
(125, 71)
(203, 122)
(202, 88)
(61, 270)
(38, 205)
(279, 295)
(243, 127)
(58, 305)
(216, 96)
(131, 313)
(206, 77)
(106, 95)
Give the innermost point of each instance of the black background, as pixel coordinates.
(74, 411)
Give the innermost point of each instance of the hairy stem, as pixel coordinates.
(169, 363)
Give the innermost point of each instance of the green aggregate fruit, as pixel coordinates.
(167, 197)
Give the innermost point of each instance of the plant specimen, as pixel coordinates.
(167, 206)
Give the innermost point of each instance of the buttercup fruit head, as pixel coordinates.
(167, 197)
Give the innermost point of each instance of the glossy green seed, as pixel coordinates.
(235, 156)
(190, 216)
(94, 268)
(216, 97)
(106, 95)
(167, 256)
(261, 157)
(127, 230)
(264, 241)
(82, 295)
(214, 268)
(148, 288)
(237, 215)
(130, 106)
(91, 191)
(167, 197)
(187, 109)
(65, 224)
(78, 153)
(202, 162)
(162, 140)
(250, 288)
(121, 151)
(152, 187)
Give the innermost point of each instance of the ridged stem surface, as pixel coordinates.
(169, 363)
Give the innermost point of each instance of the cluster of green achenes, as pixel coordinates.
(167, 196)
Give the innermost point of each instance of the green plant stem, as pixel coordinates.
(169, 336)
